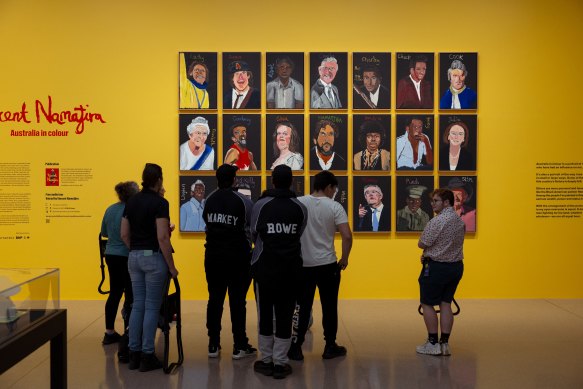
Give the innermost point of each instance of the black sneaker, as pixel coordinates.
(135, 359)
(295, 352)
(264, 368)
(123, 349)
(110, 338)
(150, 362)
(214, 350)
(281, 371)
(247, 351)
(333, 350)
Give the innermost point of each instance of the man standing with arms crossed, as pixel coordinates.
(442, 242)
(321, 268)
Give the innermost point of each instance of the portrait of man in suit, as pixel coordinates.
(324, 94)
(373, 216)
(414, 91)
(241, 94)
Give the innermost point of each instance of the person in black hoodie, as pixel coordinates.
(227, 261)
(277, 223)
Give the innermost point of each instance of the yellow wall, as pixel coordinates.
(121, 57)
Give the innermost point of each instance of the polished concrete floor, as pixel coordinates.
(495, 344)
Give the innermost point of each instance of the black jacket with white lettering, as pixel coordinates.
(277, 222)
(227, 214)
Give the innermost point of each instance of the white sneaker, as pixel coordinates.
(445, 349)
(429, 349)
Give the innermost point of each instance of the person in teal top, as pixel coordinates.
(116, 257)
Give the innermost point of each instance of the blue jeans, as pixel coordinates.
(149, 273)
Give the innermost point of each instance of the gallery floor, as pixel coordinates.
(495, 344)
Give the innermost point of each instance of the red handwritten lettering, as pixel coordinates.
(79, 115)
(8, 116)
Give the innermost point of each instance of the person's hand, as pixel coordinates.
(422, 259)
(343, 263)
(172, 227)
(425, 139)
(361, 211)
(173, 272)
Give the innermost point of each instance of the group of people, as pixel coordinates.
(283, 244)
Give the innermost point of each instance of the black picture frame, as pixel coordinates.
(413, 217)
(331, 123)
(368, 70)
(186, 160)
(289, 98)
(465, 192)
(190, 215)
(467, 65)
(467, 154)
(187, 86)
(252, 124)
(364, 125)
(292, 124)
(365, 191)
(407, 96)
(404, 156)
(318, 98)
(234, 62)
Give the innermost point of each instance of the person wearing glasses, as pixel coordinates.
(414, 151)
(324, 94)
(442, 242)
(411, 217)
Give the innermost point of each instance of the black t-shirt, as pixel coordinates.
(142, 210)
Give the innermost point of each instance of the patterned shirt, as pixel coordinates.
(444, 237)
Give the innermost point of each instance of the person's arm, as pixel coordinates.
(163, 234)
(428, 150)
(231, 157)
(346, 236)
(125, 231)
(253, 166)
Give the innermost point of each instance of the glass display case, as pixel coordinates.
(30, 317)
(25, 296)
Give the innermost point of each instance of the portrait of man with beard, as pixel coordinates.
(238, 154)
(323, 155)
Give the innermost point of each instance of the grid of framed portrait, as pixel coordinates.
(388, 142)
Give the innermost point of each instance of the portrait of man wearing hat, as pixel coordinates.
(241, 94)
(463, 192)
(411, 217)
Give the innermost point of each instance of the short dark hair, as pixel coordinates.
(443, 194)
(151, 174)
(417, 58)
(322, 124)
(371, 68)
(125, 190)
(285, 59)
(281, 177)
(323, 179)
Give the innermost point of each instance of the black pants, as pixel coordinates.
(119, 283)
(276, 295)
(222, 277)
(327, 279)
